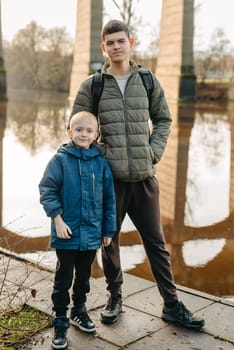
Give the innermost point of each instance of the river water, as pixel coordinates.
(196, 177)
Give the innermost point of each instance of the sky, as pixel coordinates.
(16, 14)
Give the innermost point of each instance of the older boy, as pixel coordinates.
(133, 149)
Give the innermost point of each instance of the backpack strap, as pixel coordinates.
(147, 81)
(98, 83)
(96, 90)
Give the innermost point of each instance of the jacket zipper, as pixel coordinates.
(126, 126)
(93, 181)
(79, 168)
(125, 119)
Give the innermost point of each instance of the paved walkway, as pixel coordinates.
(139, 326)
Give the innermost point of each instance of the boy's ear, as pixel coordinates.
(103, 47)
(132, 42)
(69, 133)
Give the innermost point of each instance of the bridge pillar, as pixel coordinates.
(3, 83)
(87, 54)
(176, 75)
(175, 67)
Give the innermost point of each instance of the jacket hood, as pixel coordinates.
(80, 153)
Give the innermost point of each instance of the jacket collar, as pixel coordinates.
(82, 153)
(106, 65)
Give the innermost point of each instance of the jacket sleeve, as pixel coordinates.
(109, 203)
(161, 121)
(49, 188)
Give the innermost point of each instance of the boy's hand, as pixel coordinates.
(106, 241)
(62, 229)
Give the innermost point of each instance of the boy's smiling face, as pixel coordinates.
(83, 130)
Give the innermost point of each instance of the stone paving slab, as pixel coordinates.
(77, 341)
(98, 293)
(171, 338)
(42, 301)
(131, 326)
(19, 280)
(151, 302)
(219, 321)
(21, 272)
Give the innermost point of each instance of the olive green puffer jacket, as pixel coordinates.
(129, 141)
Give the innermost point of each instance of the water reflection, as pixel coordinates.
(208, 171)
(34, 129)
(196, 181)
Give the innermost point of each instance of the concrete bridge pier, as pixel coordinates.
(175, 67)
(3, 84)
(87, 54)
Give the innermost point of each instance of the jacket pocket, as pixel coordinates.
(152, 155)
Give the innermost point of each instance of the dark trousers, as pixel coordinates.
(141, 201)
(71, 265)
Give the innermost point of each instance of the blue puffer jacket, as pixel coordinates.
(78, 184)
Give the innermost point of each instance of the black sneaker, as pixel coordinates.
(181, 315)
(61, 325)
(112, 309)
(81, 319)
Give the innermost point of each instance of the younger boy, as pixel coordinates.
(77, 193)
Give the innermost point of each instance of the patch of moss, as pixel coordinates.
(18, 327)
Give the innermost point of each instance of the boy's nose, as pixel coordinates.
(116, 44)
(83, 133)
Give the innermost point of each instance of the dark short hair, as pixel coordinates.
(114, 26)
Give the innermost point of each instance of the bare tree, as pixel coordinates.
(219, 49)
(26, 53)
(128, 12)
(57, 59)
(214, 62)
(39, 58)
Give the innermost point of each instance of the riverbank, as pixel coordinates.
(213, 91)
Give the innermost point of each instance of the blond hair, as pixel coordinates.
(83, 115)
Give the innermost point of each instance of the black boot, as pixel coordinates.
(112, 309)
(80, 318)
(61, 325)
(181, 315)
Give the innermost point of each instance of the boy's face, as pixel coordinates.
(117, 46)
(83, 131)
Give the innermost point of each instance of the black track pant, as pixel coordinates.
(71, 264)
(141, 201)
